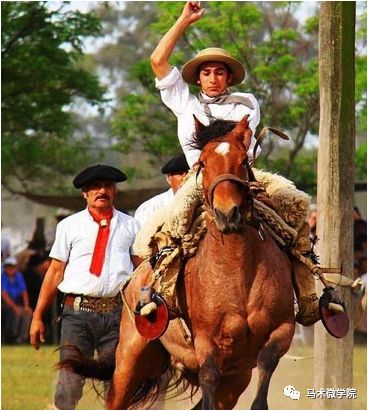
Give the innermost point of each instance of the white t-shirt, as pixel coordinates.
(145, 211)
(74, 244)
(175, 94)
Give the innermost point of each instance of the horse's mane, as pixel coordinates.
(208, 133)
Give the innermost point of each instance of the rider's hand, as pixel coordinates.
(37, 332)
(192, 11)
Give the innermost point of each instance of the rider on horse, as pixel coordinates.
(214, 70)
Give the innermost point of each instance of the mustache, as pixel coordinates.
(103, 196)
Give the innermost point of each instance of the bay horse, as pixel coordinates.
(235, 294)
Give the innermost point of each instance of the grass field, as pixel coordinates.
(28, 379)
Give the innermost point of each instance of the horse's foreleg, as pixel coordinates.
(209, 378)
(230, 389)
(267, 360)
(209, 374)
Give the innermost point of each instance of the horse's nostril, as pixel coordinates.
(234, 215)
(227, 222)
(220, 216)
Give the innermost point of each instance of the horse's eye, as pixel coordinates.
(245, 163)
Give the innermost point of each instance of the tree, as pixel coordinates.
(333, 357)
(43, 74)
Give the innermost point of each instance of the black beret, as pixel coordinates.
(98, 172)
(176, 165)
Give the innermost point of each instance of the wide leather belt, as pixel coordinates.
(93, 304)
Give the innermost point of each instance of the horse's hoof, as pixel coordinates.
(148, 309)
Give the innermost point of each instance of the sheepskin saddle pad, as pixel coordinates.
(182, 220)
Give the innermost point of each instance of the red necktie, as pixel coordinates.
(98, 257)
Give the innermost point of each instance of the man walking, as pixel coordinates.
(90, 259)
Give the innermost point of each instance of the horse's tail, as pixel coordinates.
(172, 382)
(101, 369)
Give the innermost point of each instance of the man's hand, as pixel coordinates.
(192, 11)
(28, 310)
(37, 332)
(17, 310)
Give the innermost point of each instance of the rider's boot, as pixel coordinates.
(304, 283)
(305, 288)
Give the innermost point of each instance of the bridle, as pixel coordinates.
(219, 179)
(246, 185)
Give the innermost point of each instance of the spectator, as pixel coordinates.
(357, 214)
(5, 247)
(312, 221)
(15, 309)
(37, 245)
(33, 276)
(360, 247)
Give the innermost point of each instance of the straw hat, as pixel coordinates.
(190, 69)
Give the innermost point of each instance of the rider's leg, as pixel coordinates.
(304, 282)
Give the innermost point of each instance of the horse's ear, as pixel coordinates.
(243, 131)
(198, 125)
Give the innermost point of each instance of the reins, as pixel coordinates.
(261, 136)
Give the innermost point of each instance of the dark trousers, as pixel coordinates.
(14, 328)
(89, 332)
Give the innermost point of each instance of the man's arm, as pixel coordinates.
(25, 298)
(160, 57)
(53, 278)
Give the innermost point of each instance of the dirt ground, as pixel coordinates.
(296, 369)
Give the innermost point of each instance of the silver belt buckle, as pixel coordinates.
(76, 303)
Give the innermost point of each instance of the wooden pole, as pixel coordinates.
(335, 192)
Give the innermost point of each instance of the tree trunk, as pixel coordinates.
(333, 357)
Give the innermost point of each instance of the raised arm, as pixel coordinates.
(192, 12)
(53, 278)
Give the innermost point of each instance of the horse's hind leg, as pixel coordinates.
(126, 377)
(267, 360)
(136, 360)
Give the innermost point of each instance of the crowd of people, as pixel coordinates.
(22, 275)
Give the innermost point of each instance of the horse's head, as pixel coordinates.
(225, 170)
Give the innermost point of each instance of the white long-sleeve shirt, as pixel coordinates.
(145, 211)
(176, 96)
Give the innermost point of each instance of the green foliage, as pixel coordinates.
(361, 162)
(42, 68)
(304, 170)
